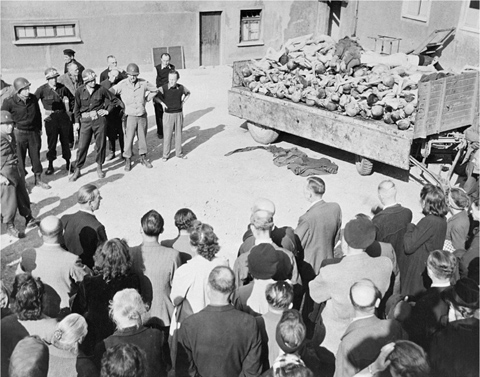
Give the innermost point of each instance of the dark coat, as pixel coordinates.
(421, 239)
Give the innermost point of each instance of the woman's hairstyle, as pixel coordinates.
(86, 194)
(4, 295)
(291, 331)
(204, 239)
(113, 259)
(442, 264)
(409, 360)
(123, 360)
(27, 296)
(434, 202)
(279, 295)
(184, 219)
(69, 332)
(127, 305)
(458, 198)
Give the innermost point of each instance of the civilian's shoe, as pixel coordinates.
(110, 157)
(31, 222)
(100, 172)
(12, 231)
(50, 169)
(145, 162)
(128, 164)
(182, 156)
(75, 176)
(164, 159)
(40, 183)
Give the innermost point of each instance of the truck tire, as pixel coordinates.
(364, 165)
(262, 135)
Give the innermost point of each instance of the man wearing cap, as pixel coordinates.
(25, 112)
(366, 334)
(220, 340)
(56, 100)
(92, 103)
(454, 350)
(266, 265)
(163, 69)
(12, 179)
(6, 91)
(112, 64)
(133, 91)
(69, 57)
(334, 280)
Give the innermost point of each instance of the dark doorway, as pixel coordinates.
(210, 38)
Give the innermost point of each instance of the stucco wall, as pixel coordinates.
(129, 29)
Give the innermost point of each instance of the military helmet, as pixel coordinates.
(5, 117)
(88, 75)
(132, 69)
(21, 83)
(51, 73)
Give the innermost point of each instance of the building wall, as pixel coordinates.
(385, 18)
(130, 29)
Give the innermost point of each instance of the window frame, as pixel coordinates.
(254, 42)
(466, 7)
(45, 40)
(418, 18)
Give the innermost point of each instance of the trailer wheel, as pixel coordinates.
(364, 165)
(262, 135)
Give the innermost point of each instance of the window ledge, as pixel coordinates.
(250, 43)
(36, 41)
(470, 29)
(415, 18)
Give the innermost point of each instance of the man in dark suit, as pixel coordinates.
(69, 57)
(12, 180)
(112, 64)
(83, 232)
(220, 340)
(163, 70)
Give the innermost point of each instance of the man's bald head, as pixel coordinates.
(51, 227)
(222, 280)
(364, 295)
(387, 192)
(263, 204)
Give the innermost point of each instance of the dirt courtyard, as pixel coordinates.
(219, 189)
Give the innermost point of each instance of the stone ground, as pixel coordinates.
(220, 190)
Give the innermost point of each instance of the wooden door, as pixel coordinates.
(210, 38)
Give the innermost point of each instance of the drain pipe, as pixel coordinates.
(357, 4)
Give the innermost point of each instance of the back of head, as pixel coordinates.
(291, 331)
(262, 220)
(86, 194)
(222, 280)
(290, 365)
(458, 199)
(316, 185)
(464, 297)
(408, 360)
(51, 227)
(442, 264)
(387, 192)
(359, 233)
(264, 205)
(433, 199)
(364, 296)
(70, 332)
(113, 259)
(126, 308)
(29, 358)
(184, 219)
(204, 239)
(27, 295)
(265, 262)
(152, 223)
(124, 360)
(279, 295)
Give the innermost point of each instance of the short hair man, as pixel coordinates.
(25, 112)
(366, 335)
(334, 280)
(56, 100)
(133, 91)
(72, 80)
(14, 194)
(155, 265)
(184, 219)
(69, 57)
(163, 69)
(59, 270)
(83, 232)
(112, 64)
(172, 96)
(391, 222)
(92, 104)
(202, 336)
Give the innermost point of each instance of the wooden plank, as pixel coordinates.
(371, 139)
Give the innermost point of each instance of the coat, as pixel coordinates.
(428, 235)
(333, 286)
(318, 230)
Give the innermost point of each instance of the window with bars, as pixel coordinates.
(41, 32)
(416, 9)
(250, 25)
